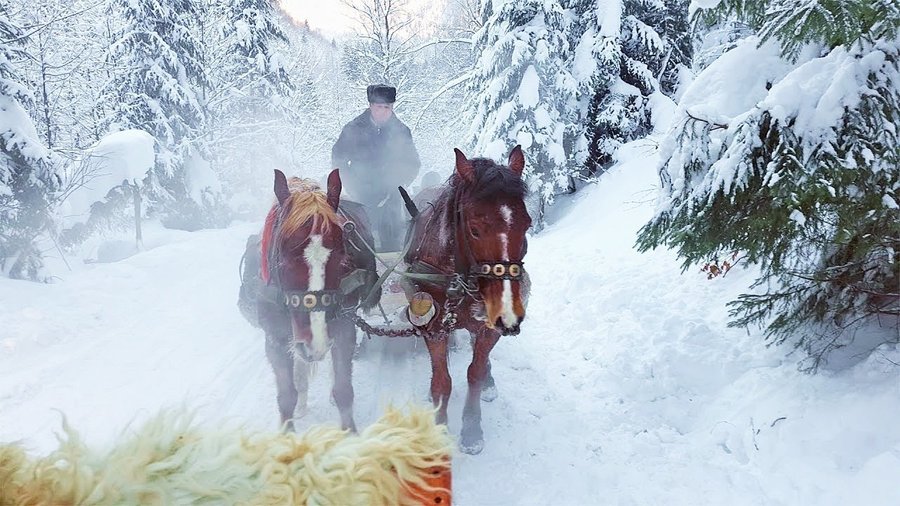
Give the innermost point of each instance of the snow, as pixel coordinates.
(201, 177)
(583, 63)
(816, 93)
(625, 386)
(120, 156)
(17, 129)
(663, 110)
(702, 4)
(609, 18)
(722, 110)
(528, 89)
(736, 81)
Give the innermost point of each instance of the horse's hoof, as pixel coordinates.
(489, 393)
(472, 447)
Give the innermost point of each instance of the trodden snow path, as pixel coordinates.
(625, 386)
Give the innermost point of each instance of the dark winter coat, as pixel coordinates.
(375, 160)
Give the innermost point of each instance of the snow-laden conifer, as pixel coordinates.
(28, 180)
(785, 154)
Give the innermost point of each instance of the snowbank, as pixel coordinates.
(625, 387)
(120, 156)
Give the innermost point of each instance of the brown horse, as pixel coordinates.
(467, 247)
(303, 302)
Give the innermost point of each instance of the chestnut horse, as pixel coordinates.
(303, 303)
(472, 236)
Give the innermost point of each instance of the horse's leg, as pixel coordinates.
(301, 383)
(488, 388)
(283, 364)
(342, 359)
(472, 437)
(440, 374)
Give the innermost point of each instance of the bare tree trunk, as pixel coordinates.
(138, 237)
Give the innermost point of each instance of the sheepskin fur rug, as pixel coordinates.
(173, 461)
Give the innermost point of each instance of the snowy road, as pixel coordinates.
(625, 386)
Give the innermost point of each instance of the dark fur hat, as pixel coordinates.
(381, 94)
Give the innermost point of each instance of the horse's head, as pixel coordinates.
(491, 225)
(308, 255)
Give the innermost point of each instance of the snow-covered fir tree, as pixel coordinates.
(67, 70)
(626, 50)
(785, 155)
(160, 87)
(27, 177)
(251, 31)
(250, 89)
(521, 91)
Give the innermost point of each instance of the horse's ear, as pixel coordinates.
(281, 187)
(334, 189)
(517, 160)
(463, 166)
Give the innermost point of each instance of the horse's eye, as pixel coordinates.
(475, 233)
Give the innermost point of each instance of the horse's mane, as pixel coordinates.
(306, 203)
(491, 180)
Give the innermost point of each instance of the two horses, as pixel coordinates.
(466, 252)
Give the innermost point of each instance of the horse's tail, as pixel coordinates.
(250, 281)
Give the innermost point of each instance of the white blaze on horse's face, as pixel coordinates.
(506, 214)
(316, 256)
(508, 315)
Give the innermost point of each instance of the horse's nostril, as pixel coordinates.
(511, 331)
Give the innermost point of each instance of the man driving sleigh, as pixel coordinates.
(375, 154)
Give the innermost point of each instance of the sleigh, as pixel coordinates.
(312, 278)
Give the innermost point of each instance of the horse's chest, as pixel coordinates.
(477, 311)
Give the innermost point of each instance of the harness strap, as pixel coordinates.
(387, 272)
(328, 301)
(423, 271)
(271, 293)
(266, 244)
(389, 268)
(354, 281)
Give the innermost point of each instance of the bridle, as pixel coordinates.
(310, 301)
(468, 271)
(330, 302)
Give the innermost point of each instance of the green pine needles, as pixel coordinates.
(806, 182)
(795, 23)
